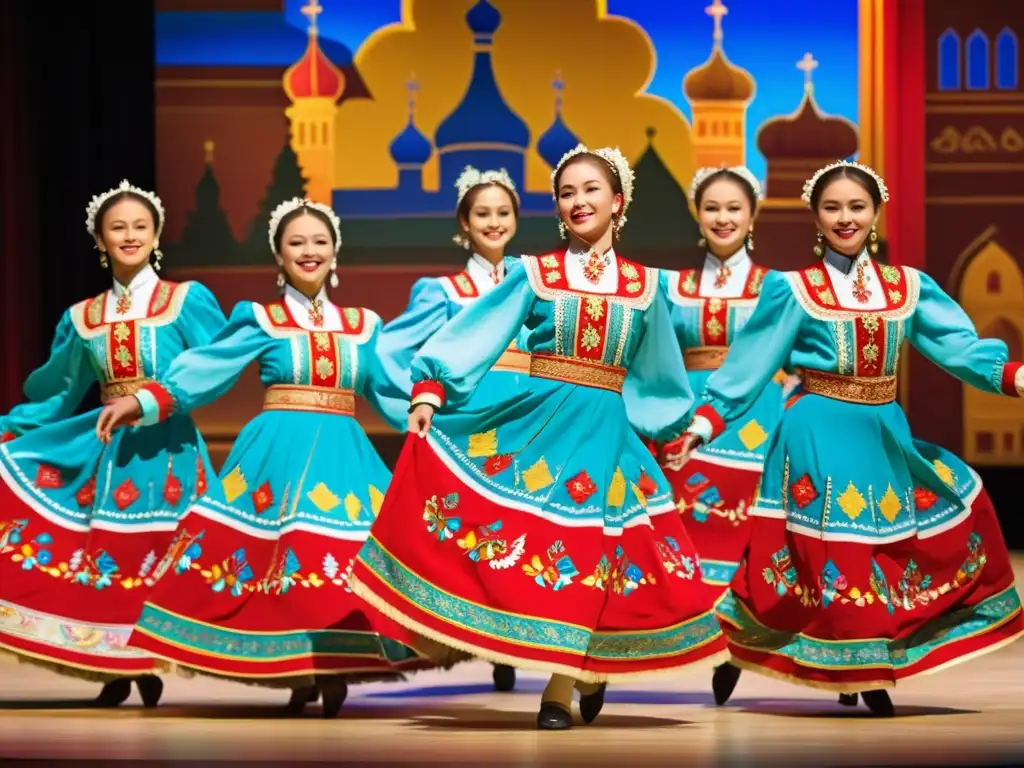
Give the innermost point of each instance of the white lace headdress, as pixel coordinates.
(293, 205)
(620, 167)
(737, 170)
(93, 208)
(812, 182)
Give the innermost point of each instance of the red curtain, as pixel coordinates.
(903, 54)
(19, 255)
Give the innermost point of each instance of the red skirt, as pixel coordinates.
(275, 610)
(714, 501)
(469, 568)
(68, 599)
(896, 610)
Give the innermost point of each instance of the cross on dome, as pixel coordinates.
(558, 85)
(807, 65)
(311, 11)
(412, 87)
(717, 11)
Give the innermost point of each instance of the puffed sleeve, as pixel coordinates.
(400, 340)
(201, 316)
(757, 353)
(388, 397)
(944, 333)
(200, 375)
(657, 391)
(54, 390)
(454, 361)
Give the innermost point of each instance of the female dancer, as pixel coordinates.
(873, 557)
(710, 306)
(82, 524)
(257, 585)
(487, 212)
(538, 531)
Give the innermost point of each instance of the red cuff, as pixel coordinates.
(6, 437)
(709, 413)
(163, 399)
(430, 392)
(1008, 384)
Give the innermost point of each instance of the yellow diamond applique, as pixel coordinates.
(323, 498)
(353, 506)
(483, 444)
(538, 476)
(234, 484)
(752, 435)
(617, 489)
(639, 494)
(852, 502)
(890, 505)
(376, 500)
(944, 472)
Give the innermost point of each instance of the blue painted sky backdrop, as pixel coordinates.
(765, 38)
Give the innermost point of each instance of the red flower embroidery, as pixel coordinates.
(497, 464)
(126, 494)
(6, 437)
(200, 476)
(646, 484)
(48, 477)
(86, 495)
(262, 498)
(803, 491)
(581, 487)
(924, 499)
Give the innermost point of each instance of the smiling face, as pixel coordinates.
(305, 251)
(588, 198)
(127, 234)
(489, 220)
(725, 216)
(845, 214)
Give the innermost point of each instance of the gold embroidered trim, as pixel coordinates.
(125, 388)
(576, 371)
(513, 360)
(873, 390)
(704, 358)
(293, 397)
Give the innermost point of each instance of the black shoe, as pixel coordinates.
(552, 717)
(151, 688)
(723, 682)
(504, 677)
(333, 694)
(879, 703)
(307, 694)
(848, 699)
(114, 693)
(591, 704)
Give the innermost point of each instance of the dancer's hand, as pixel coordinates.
(119, 412)
(420, 419)
(677, 453)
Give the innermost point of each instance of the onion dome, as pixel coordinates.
(717, 79)
(410, 147)
(313, 76)
(558, 139)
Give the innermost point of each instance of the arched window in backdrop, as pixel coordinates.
(977, 61)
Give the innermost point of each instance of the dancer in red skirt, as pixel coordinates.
(716, 488)
(538, 530)
(873, 557)
(254, 586)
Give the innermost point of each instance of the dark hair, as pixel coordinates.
(469, 199)
(609, 173)
(852, 173)
(113, 200)
(728, 175)
(289, 217)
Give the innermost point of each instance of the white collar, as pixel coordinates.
(584, 255)
(481, 270)
(733, 261)
(297, 296)
(575, 263)
(144, 278)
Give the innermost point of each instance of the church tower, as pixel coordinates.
(314, 85)
(719, 93)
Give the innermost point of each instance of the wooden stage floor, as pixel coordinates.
(969, 715)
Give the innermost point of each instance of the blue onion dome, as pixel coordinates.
(410, 147)
(558, 139)
(483, 116)
(483, 18)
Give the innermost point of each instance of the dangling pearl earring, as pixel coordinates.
(334, 274)
(280, 279)
(563, 231)
(750, 240)
(819, 249)
(701, 242)
(873, 238)
(157, 255)
(103, 260)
